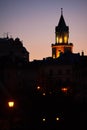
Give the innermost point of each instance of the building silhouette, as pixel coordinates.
(63, 70)
(13, 51)
(48, 93)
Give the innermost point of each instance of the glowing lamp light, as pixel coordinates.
(64, 90)
(44, 94)
(60, 40)
(53, 56)
(65, 39)
(38, 87)
(11, 104)
(57, 119)
(44, 119)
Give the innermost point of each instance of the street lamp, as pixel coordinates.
(38, 87)
(11, 104)
(57, 118)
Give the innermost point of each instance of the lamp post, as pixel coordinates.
(11, 105)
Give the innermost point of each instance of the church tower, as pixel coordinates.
(61, 38)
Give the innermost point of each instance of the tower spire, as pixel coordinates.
(61, 38)
(61, 11)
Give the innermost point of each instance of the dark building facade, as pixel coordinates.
(48, 93)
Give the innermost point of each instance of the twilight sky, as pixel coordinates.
(34, 21)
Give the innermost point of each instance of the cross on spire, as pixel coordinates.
(61, 11)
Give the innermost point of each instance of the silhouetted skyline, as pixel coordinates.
(34, 21)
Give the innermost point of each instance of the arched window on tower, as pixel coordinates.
(60, 40)
(65, 39)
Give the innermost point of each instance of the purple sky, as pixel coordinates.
(34, 21)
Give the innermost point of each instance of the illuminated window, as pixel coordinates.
(53, 56)
(58, 53)
(60, 40)
(44, 94)
(65, 39)
(64, 90)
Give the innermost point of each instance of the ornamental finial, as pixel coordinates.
(61, 11)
